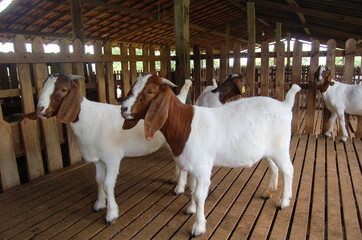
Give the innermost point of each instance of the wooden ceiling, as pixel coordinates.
(151, 21)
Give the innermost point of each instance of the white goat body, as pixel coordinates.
(340, 98)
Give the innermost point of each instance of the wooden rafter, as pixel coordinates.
(300, 15)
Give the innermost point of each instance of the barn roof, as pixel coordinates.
(151, 21)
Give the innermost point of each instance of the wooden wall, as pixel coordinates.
(32, 148)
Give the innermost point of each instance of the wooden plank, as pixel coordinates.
(350, 213)
(296, 77)
(309, 125)
(353, 161)
(101, 80)
(197, 72)
(152, 62)
(331, 55)
(49, 126)
(250, 68)
(209, 65)
(182, 41)
(264, 221)
(223, 63)
(264, 74)
(111, 91)
(163, 63)
(334, 218)
(8, 166)
(125, 73)
(133, 65)
(29, 128)
(146, 66)
(79, 67)
(299, 228)
(237, 56)
(85, 195)
(283, 217)
(280, 71)
(77, 19)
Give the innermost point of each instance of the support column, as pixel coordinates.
(250, 69)
(77, 19)
(181, 9)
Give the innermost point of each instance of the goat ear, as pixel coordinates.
(157, 113)
(129, 123)
(70, 107)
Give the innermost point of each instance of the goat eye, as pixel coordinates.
(149, 92)
(63, 90)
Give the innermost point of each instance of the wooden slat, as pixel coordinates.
(237, 55)
(264, 74)
(29, 128)
(350, 216)
(101, 80)
(197, 72)
(152, 63)
(223, 63)
(309, 125)
(79, 67)
(146, 66)
(250, 68)
(280, 71)
(73, 149)
(334, 222)
(111, 91)
(133, 66)
(49, 126)
(125, 73)
(209, 65)
(296, 77)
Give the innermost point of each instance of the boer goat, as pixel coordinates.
(339, 98)
(238, 134)
(213, 96)
(98, 130)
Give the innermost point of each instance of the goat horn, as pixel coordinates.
(168, 82)
(75, 77)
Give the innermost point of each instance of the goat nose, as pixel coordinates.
(123, 109)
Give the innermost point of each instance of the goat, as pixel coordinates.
(238, 134)
(338, 98)
(99, 134)
(213, 96)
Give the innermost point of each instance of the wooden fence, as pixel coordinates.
(32, 148)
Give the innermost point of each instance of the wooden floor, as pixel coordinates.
(326, 203)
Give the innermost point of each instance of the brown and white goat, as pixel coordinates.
(238, 134)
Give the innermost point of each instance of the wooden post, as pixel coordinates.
(73, 149)
(111, 91)
(8, 166)
(49, 126)
(125, 74)
(77, 19)
(29, 128)
(79, 67)
(133, 64)
(181, 30)
(309, 123)
(223, 62)
(209, 65)
(296, 77)
(348, 71)
(146, 67)
(264, 75)
(331, 58)
(227, 47)
(152, 62)
(197, 71)
(163, 61)
(280, 71)
(237, 56)
(101, 80)
(250, 68)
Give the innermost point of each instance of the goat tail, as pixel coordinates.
(290, 97)
(214, 83)
(185, 90)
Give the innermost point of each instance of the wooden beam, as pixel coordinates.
(250, 68)
(77, 19)
(181, 8)
(300, 15)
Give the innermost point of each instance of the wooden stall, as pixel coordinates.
(33, 148)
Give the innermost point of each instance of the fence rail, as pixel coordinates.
(32, 148)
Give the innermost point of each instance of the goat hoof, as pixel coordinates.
(343, 139)
(188, 212)
(265, 197)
